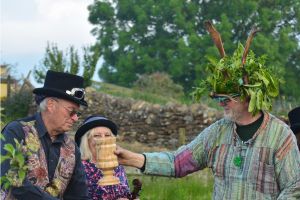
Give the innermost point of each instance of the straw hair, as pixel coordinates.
(86, 153)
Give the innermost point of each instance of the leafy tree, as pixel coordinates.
(138, 37)
(54, 59)
(74, 61)
(90, 60)
(69, 61)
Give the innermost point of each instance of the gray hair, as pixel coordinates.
(43, 104)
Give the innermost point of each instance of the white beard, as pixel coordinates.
(231, 115)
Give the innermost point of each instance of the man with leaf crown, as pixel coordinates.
(252, 154)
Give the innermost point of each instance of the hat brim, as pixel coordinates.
(296, 128)
(84, 128)
(57, 93)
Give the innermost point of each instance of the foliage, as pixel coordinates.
(143, 37)
(226, 77)
(159, 83)
(54, 59)
(17, 105)
(2, 123)
(18, 167)
(68, 61)
(89, 65)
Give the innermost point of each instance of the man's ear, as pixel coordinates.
(51, 104)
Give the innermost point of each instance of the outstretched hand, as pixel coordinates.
(129, 158)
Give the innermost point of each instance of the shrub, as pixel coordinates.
(17, 105)
(159, 83)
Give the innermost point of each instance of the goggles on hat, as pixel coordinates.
(77, 93)
(223, 98)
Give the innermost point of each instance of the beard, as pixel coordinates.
(231, 115)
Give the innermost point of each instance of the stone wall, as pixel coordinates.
(168, 126)
(154, 125)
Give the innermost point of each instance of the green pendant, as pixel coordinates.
(237, 161)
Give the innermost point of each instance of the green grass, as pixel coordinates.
(132, 93)
(124, 92)
(198, 186)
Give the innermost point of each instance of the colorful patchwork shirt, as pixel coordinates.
(265, 167)
(110, 192)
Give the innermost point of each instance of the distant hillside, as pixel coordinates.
(133, 93)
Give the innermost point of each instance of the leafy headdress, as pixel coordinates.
(242, 74)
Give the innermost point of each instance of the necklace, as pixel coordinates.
(241, 150)
(237, 161)
(242, 147)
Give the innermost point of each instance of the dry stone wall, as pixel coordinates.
(154, 125)
(167, 126)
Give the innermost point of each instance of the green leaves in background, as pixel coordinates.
(67, 61)
(143, 37)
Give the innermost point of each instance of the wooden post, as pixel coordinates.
(8, 86)
(182, 137)
(26, 81)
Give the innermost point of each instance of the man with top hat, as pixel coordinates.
(252, 154)
(294, 119)
(54, 170)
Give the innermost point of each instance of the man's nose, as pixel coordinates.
(75, 117)
(222, 103)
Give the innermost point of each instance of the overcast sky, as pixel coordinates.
(27, 26)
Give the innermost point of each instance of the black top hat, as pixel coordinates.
(92, 122)
(63, 85)
(294, 118)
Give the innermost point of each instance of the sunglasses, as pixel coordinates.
(71, 112)
(77, 93)
(223, 98)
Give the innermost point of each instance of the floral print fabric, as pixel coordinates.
(110, 192)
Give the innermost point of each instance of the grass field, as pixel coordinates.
(197, 186)
(119, 91)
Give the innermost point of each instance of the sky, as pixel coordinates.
(28, 25)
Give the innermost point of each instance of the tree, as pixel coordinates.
(138, 37)
(90, 60)
(54, 59)
(69, 62)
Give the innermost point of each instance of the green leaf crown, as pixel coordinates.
(244, 74)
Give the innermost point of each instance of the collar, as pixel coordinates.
(266, 119)
(40, 126)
